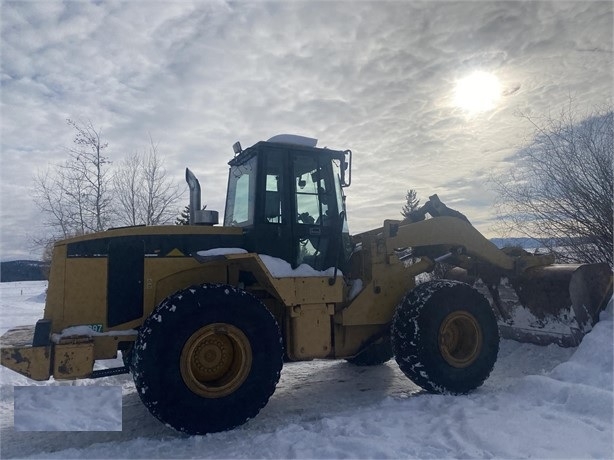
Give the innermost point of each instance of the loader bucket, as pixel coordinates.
(550, 304)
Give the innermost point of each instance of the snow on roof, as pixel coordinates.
(294, 139)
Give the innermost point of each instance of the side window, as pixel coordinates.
(314, 200)
(311, 192)
(241, 192)
(273, 191)
(241, 201)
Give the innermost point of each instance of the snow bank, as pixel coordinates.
(539, 402)
(21, 303)
(68, 408)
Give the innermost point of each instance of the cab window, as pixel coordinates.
(312, 192)
(241, 192)
(273, 190)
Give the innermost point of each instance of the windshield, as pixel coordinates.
(241, 192)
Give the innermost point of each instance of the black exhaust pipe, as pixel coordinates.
(194, 186)
(198, 216)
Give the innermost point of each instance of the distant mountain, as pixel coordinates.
(525, 243)
(23, 270)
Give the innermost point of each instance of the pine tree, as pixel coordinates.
(184, 217)
(412, 203)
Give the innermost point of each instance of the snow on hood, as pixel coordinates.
(278, 268)
(281, 269)
(221, 252)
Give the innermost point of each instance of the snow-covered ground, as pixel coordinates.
(540, 402)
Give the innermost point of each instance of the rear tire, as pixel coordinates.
(445, 337)
(207, 359)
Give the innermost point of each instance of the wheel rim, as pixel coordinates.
(216, 360)
(460, 339)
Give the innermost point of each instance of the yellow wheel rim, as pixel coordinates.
(216, 360)
(460, 339)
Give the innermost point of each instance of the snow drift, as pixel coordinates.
(544, 402)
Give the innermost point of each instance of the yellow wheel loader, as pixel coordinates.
(204, 315)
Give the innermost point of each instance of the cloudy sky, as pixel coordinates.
(378, 78)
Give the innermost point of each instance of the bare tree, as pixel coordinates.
(127, 183)
(145, 195)
(74, 195)
(88, 169)
(49, 197)
(560, 187)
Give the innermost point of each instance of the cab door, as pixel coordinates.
(315, 213)
(271, 233)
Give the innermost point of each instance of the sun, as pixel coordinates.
(477, 92)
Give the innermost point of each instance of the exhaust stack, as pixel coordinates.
(198, 216)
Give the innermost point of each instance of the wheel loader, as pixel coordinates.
(204, 316)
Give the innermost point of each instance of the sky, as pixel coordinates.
(379, 78)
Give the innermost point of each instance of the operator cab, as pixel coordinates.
(287, 195)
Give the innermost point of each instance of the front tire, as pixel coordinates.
(445, 337)
(207, 359)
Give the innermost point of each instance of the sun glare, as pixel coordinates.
(478, 92)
